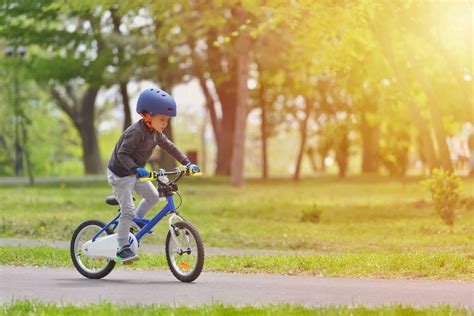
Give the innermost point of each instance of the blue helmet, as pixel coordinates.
(156, 101)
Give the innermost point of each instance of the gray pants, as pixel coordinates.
(123, 188)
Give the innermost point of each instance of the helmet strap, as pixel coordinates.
(147, 119)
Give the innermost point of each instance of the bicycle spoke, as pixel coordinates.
(88, 263)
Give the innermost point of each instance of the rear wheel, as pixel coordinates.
(92, 268)
(186, 263)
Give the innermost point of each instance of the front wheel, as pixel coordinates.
(186, 263)
(92, 268)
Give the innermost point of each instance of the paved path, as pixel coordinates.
(210, 251)
(161, 288)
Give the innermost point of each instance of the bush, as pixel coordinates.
(444, 187)
(313, 215)
(467, 203)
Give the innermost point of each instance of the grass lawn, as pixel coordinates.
(360, 216)
(34, 308)
(439, 265)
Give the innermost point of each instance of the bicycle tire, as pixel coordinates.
(107, 268)
(199, 256)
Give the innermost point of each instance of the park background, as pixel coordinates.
(315, 124)
(281, 89)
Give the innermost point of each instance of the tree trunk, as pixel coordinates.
(210, 104)
(238, 150)
(126, 105)
(18, 149)
(90, 150)
(342, 151)
(303, 136)
(215, 122)
(370, 143)
(312, 159)
(203, 160)
(264, 132)
(87, 131)
(228, 97)
(225, 81)
(17, 119)
(82, 114)
(29, 167)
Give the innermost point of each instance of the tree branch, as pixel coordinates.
(70, 111)
(199, 73)
(71, 95)
(88, 100)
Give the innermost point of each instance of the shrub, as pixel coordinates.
(467, 203)
(313, 215)
(444, 187)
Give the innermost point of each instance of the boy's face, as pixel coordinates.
(159, 122)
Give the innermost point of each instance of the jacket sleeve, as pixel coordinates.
(129, 144)
(171, 149)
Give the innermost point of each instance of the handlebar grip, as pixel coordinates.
(146, 179)
(150, 178)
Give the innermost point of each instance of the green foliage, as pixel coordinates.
(293, 46)
(50, 138)
(444, 187)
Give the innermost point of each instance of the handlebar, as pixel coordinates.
(179, 172)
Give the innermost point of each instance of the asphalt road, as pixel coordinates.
(160, 287)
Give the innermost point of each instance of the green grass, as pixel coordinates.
(445, 265)
(369, 217)
(35, 308)
(358, 213)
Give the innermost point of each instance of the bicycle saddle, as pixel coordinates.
(111, 200)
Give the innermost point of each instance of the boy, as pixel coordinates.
(129, 157)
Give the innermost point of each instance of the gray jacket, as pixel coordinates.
(135, 146)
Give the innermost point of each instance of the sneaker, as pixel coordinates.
(125, 254)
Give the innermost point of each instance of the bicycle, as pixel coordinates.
(94, 244)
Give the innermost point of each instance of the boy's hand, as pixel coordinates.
(142, 173)
(160, 172)
(192, 168)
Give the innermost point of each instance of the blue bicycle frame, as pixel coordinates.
(149, 224)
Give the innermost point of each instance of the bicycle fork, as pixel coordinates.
(175, 237)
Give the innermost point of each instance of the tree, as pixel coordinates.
(409, 47)
(62, 56)
(213, 32)
(43, 125)
(238, 153)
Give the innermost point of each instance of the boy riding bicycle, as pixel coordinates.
(127, 162)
